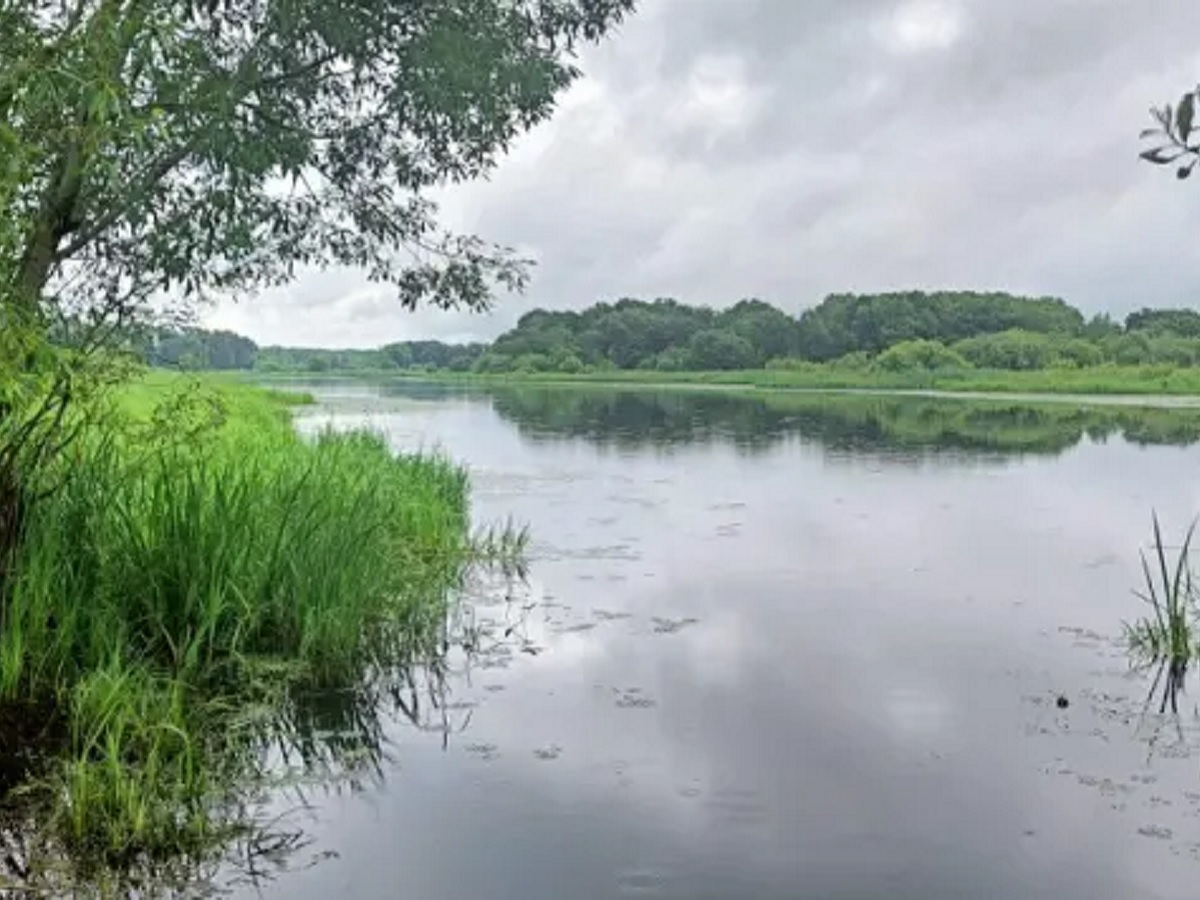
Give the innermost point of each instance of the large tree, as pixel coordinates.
(191, 148)
(184, 149)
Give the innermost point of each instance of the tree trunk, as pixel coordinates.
(56, 219)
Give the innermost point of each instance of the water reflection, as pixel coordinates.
(891, 426)
(1170, 680)
(750, 672)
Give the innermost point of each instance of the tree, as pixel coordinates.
(772, 332)
(1014, 349)
(844, 323)
(190, 149)
(1100, 326)
(212, 147)
(715, 348)
(1181, 322)
(1176, 135)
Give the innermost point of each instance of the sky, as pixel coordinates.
(789, 149)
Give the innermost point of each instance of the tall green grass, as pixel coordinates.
(1170, 592)
(194, 560)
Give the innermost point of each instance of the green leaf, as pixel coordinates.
(1161, 155)
(1185, 114)
(192, 109)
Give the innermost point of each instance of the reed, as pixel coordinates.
(196, 559)
(1169, 591)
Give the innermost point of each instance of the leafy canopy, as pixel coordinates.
(201, 148)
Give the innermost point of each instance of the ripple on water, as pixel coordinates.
(605, 615)
(633, 698)
(576, 628)
(1158, 832)
(737, 808)
(641, 881)
(671, 626)
(484, 751)
(622, 552)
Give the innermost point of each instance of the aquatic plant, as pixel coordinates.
(1169, 590)
(197, 570)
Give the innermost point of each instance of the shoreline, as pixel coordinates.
(752, 383)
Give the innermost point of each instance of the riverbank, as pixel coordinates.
(193, 571)
(1112, 381)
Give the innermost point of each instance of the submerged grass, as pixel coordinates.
(195, 557)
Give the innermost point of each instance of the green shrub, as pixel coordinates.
(1176, 351)
(919, 355)
(1014, 350)
(858, 361)
(493, 364)
(1131, 350)
(1080, 353)
(673, 359)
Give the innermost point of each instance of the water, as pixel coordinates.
(787, 648)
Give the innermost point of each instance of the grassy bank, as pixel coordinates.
(1094, 380)
(192, 568)
(1140, 380)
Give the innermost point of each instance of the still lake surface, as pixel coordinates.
(782, 648)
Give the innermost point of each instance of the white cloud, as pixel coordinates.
(717, 98)
(719, 149)
(923, 25)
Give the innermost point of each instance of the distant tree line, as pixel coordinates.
(892, 332)
(404, 355)
(195, 348)
(634, 334)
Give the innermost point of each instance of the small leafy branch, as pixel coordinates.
(1179, 134)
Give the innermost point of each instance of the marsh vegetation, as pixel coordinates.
(195, 570)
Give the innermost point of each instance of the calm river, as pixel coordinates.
(780, 648)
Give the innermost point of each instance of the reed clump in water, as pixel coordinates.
(195, 565)
(1168, 633)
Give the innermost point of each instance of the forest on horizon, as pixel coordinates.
(892, 331)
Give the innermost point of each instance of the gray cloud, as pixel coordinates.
(728, 148)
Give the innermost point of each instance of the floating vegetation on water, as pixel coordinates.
(503, 547)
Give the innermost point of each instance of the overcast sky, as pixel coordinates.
(787, 149)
